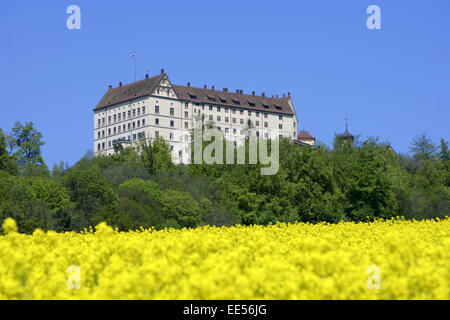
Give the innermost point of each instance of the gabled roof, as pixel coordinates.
(280, 105)
(129, 91)
(304, 135)
(197, 95)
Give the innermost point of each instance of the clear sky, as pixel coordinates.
(392, 83)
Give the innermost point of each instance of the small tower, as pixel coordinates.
(306, 138)
(347, 136)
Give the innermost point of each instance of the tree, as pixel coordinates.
(155, 156)
(7, 163)
(59, 170)
(311, 187)
(34, 202)
(134, 188)
(180, 207)
(139, 204)
(3, 151)
(444, 154)
(92, 194)
(423, 148)
(25, 144)
(365, 177)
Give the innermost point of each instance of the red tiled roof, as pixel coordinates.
(304, 135)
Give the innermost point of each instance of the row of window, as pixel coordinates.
(186, 138)
(121, 115)
(241, 132)
(241, 112)
(120, 129)
(241, 121)
(135, 136)
(134, 125)
(101, 146)
(131, 114)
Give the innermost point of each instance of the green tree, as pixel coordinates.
(180, 207)
(7, 163)
(311, 187)
(423, 148)
(365, 178)
(155, 156)
(25, 144)
(430, 196)
(135, 187)
(92, 194)
(51, 192)
(34, 202)
(139, 204)
(444, 154)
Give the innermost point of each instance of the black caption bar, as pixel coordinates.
(215, 309)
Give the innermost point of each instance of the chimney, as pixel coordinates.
(240, 91)
(162, 71)
(120, 84)
(237, 91)
(146, 76)
(263, 94)
(204, 86)
(110, 87)
(276, 97)
(253, 93)
(225, 89)
(212, 88)
(289, 94)
(284, 95)
(189, 85)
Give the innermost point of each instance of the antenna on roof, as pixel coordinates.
(346, 124)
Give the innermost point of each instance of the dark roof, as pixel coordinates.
(347, 134)
(305, 135)
(197, 95)
(129, 91)
(234, 100)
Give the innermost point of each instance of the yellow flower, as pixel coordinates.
(393, 259)
(9, 226)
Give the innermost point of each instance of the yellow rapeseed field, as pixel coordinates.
(394, 259)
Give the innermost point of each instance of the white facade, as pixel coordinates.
(162, 113)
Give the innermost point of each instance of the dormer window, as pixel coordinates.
(192, 96)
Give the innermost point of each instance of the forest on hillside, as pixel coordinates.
(358, 181)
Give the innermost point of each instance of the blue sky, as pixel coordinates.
(392, 83)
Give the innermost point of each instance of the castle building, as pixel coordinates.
(305, 138)
(154, 107)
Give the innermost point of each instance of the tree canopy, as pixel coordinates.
(141, 187)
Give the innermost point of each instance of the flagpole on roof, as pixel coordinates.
(133, 55)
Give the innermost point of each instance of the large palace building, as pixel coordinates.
(153, 107)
